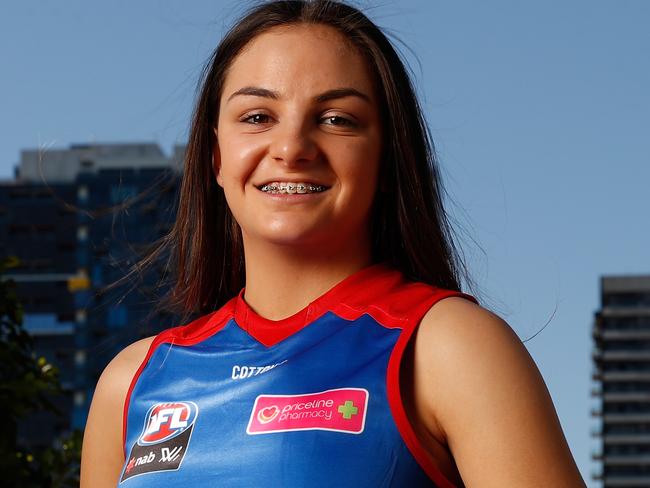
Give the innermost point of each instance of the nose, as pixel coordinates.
(292, 144)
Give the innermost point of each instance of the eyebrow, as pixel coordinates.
(254, 91)
(342, 93)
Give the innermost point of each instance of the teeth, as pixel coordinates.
(284, 188)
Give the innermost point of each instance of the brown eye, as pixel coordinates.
(337, 120)
(256, 119)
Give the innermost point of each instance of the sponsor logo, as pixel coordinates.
(268, 414)
(167, 420)
(339, 410)
(243, 372)
(164, 439)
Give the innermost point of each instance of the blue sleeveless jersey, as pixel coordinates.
(236, 400)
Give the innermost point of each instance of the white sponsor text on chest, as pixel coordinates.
(243, 372)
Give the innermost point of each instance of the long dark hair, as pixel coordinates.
(410, 229)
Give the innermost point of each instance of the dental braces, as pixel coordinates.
(292, 188)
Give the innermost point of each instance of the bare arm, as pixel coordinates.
(478, 390)
(102, 455)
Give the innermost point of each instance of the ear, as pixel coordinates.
(216, 159)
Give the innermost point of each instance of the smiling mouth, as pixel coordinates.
(281, 188)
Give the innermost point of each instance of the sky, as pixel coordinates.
(540, 112)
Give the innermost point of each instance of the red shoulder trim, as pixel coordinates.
(395, 400)
(184, 335)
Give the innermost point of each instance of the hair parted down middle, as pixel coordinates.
(409, 227)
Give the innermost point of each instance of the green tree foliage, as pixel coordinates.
(27, 384)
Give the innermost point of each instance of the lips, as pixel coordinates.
(306, 180)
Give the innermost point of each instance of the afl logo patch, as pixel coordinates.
(167, 420)
(164, 440)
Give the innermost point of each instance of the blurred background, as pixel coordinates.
(540, 112)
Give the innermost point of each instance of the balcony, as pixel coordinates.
(624, 311)
(629, 334)
(631, 460)
(643, 481)
(625, 418)
(614, 376)
(626, 439)
(625, 397)
(600, 355)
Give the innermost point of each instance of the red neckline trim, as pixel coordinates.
(271, 332)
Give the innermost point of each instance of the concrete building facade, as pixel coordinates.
(77, 219)
(622, 371)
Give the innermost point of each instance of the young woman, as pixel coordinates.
(350, 358)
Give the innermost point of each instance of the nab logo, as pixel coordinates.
(167, 420)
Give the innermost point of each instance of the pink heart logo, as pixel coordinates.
(267, 414)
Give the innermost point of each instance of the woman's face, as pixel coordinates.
(299, 139)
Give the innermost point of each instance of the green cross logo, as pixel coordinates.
(348, 410)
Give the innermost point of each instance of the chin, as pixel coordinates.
(324, 234)
(300, 232)
(294, 236)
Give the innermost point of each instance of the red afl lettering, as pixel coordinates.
(167, 420)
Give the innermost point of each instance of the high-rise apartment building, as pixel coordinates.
(622, 359)
(77, 219)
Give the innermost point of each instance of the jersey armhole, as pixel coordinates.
(394, 390)
(127, 399)
(189, 334)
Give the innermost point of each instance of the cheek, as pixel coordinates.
(359, 182)
(362, 164)
(366, 174)
(240, 157)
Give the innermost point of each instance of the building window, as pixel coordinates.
(82, 233)
(117, 316)
(80, 316)
(19, 193)
(121, 193)
(65, 247)
(82, 193)
(79, 398)
(18, 229)
(80, 358)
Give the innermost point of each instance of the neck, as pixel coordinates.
(281, 280)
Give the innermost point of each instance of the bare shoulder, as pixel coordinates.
(478, 390)
(128, 360)
(102, 454)
(461, 338)
(114, 382)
